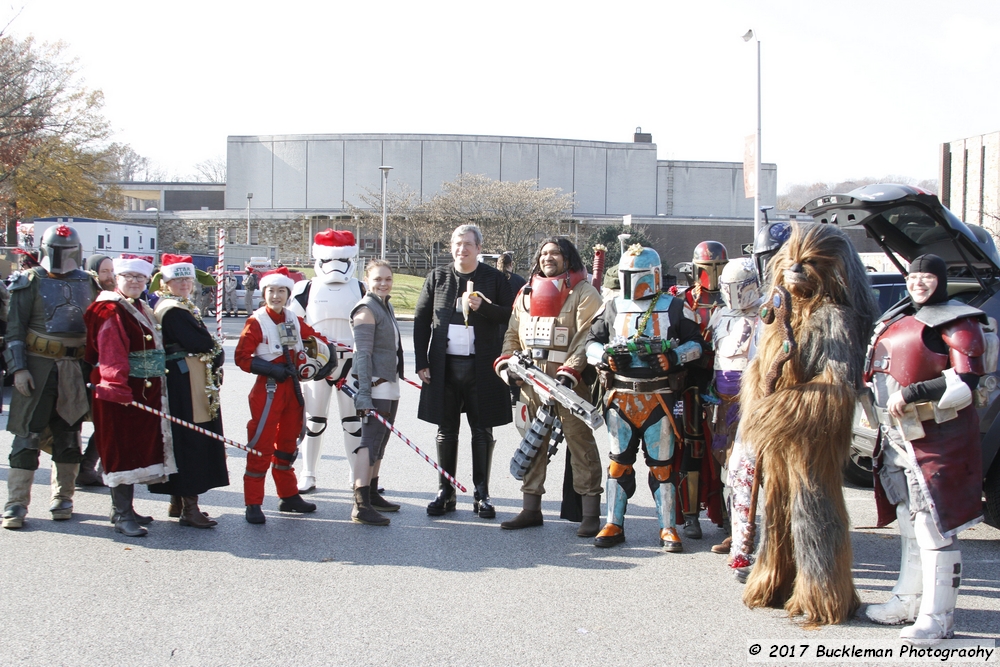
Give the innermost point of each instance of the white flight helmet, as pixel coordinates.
(316, 360)
(335, 252)
(739, 284)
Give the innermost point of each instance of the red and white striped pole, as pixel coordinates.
(193, 427)
(220, 287)
(350, 391)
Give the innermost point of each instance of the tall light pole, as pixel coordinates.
(756, 190)
(385, 181)
(249, 197)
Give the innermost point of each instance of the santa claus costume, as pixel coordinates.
(126, 349)
(271, 347)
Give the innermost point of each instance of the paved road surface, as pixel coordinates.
(319, 590)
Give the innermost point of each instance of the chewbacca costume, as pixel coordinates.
(801, 431)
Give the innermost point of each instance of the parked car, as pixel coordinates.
(907, 222)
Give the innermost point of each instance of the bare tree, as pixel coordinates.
(411, 233)
(513, 216)
(135, 167)
(212, 170)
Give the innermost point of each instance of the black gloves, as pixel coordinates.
(277, 371)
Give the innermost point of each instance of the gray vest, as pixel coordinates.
(386, 356)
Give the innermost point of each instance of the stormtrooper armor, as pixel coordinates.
(325, 303)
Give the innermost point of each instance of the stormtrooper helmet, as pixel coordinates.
(335, 252)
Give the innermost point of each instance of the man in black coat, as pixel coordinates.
(457, 327)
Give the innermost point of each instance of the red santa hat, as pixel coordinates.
(133, 263)
(334, 244)
(277, 278)
(176, 266)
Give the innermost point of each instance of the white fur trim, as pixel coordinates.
(134, 265)
(178, 270)
(276, 280)
(150, 475)
(334, 252)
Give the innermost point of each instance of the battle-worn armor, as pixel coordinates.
(642, 344)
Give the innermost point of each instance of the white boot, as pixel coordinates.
(942, 577)
(903, 605)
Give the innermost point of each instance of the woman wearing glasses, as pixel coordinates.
(126, 348)
(194, 374)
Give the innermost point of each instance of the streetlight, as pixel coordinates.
(756, 190)
(385, 181)
(249, 197)
(622, 238)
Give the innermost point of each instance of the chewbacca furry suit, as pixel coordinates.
(802, 431)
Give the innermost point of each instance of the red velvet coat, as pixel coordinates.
(135, 446)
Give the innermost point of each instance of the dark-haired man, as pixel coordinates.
(551, 321)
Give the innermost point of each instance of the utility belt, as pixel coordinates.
(541, 354)
(375, 383)
(643, 386)
(674, 383)
(147, 364)
(52, 348)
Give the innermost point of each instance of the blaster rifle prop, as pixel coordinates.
(521, 365)
(193, 427)
(779, 309)
(546, 421)
(350, 391)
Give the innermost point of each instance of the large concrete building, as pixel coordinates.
(303, 183)
(970, 179)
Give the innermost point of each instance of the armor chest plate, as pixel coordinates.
(543, 332)
(731, 337)
(629, 315)
(900, 352)
(329, 308)
(65, 301)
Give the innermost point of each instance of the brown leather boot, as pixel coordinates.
(363, 511)
(530, 516)
(175, 507)
(192, 516)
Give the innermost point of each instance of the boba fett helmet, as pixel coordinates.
(61, 251)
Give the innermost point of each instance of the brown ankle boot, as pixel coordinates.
(191, 515)
(175, 507)
(529, 517)
(363, 511)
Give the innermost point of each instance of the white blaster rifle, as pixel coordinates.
(546, 421)
(549, 390)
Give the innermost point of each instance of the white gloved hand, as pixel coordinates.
(23, 382)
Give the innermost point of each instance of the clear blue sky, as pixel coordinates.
(850, 88)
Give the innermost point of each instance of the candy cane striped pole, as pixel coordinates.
(193, 427)
(220, 287)
(348, 348)
(350, 391)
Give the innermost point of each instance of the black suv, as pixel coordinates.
(907, 222)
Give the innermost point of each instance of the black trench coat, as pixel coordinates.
(433, 314)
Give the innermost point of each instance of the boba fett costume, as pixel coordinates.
(45, 345)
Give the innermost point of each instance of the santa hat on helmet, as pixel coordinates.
(277, 278)
(176, 266)
(334, 244)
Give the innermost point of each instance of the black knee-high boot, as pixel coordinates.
(447, 453)
(482, 461)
